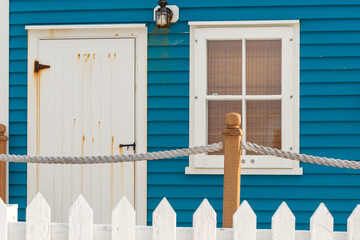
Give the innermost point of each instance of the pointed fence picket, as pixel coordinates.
(123, 221)
(321, 224)
(38, 215)
(244, 223)
(123, 227)
(80, 220)
(204, 222)
(283, 223)
(164, 222)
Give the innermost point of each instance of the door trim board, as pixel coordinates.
(4, 76)
(137, 31)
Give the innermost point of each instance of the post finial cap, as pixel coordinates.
(233, 120)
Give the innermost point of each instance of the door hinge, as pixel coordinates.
(38, 66)
(128, 145)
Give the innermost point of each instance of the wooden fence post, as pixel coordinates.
(232, 167)
(3, 140)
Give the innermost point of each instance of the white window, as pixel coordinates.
(251, 68)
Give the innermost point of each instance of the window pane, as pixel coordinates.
(224, 67)
(263, 123)
(263, 67)
(216, 119)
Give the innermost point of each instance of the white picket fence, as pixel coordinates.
(81, 227)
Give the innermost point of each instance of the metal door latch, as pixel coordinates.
(128, 145)
(38, 66)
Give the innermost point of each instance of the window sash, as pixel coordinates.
(199, 128)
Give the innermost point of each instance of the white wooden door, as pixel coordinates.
(86, 107)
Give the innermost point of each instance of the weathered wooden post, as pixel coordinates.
(3, 140)
(232, 167)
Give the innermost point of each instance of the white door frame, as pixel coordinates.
(137, 31)
(4, 73)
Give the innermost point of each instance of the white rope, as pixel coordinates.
(113, 159)
(300, 157)
(181, 153)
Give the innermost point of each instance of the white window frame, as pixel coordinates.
(200, 33)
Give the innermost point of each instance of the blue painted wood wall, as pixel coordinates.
(329, 114)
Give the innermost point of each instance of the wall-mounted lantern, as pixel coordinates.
(163, 14)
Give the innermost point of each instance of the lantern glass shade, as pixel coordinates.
(162, 18)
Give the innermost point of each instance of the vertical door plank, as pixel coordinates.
(70, 63)
(321, 224)
(123, 221)
(204, 222)
(77, 137)
(107, 148)
(96, 138)
(244, 223)
(45, 172)
(38, 215)
(3, 220)
(80, 220)
(57, 179)
(117, 170)
(123, 74)
(118, 183)
(86, 114)
(164, 222)
(283, 224)
(353, 224)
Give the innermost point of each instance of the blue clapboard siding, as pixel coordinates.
(329, 114)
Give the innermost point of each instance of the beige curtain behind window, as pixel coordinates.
(216, 119)
(263, 67)
(263, 123)
(224, 67)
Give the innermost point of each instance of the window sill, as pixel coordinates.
(246, 171)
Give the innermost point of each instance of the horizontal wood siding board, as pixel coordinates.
(168, 128)
(330, 128)
(18, 6)
(315, 180)
(165, 52)
(258, 192)
(329, 114)
(168, 115)
(330, 50)
(307, 25)
(176, 90)
(168, 77)
(332, 89)
(335, 75)
(330, 102)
